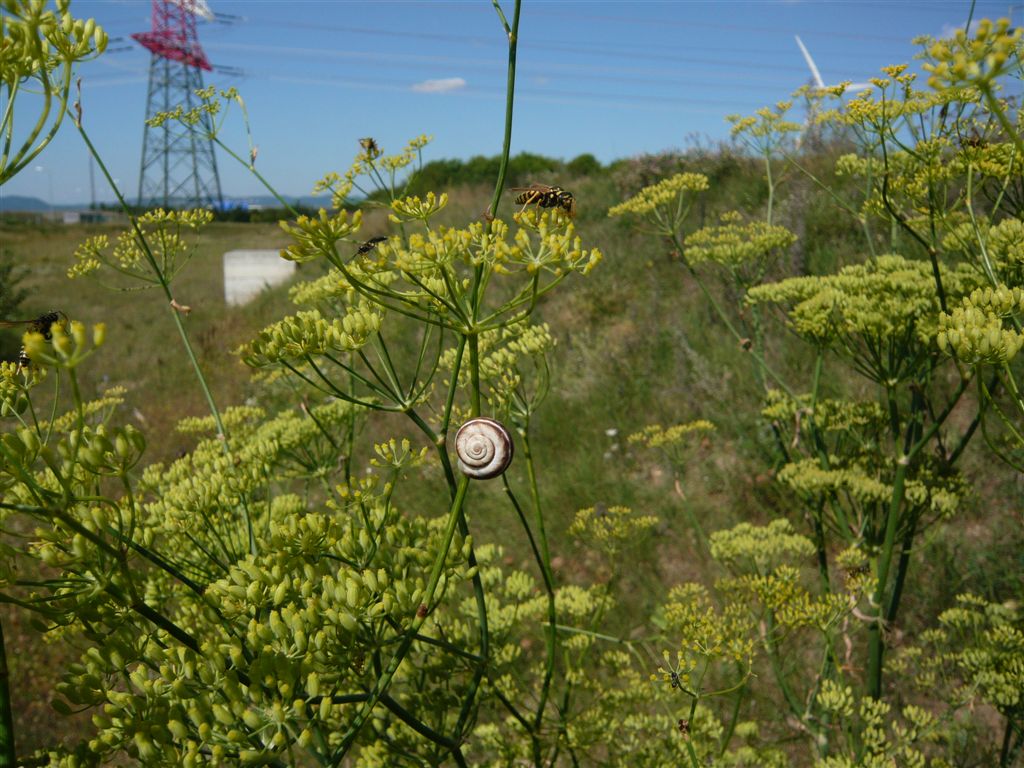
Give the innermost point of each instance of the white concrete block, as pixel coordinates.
(246, 273)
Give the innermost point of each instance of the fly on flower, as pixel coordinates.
(546, 196)
(42, 324)
(370, 244)
(369, 145)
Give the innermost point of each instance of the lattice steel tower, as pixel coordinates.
(178, 167)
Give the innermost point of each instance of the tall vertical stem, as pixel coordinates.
(512, 30)
(876, 641)
(7, 756)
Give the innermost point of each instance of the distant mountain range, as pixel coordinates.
(25, 204)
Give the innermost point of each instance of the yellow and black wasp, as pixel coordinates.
(546, 197)
(42, 324)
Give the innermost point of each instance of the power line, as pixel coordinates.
(635, 20)
(496, 41)
(385, 57)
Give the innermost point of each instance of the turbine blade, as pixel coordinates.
(810, 63)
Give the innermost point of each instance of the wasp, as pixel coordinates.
(42, 324)
(370, 244)
(546, 197)
(974, 140)
(369, 145)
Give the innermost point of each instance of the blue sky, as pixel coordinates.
(611, 78)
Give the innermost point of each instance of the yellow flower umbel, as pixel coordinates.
(978, 59)
(160, 254)
(610, 529)
(650, 199)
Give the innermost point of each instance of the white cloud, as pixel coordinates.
(444, 85)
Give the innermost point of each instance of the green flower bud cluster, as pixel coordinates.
(676, 442)
(317, 236)
(308, 333)
(37, 39)
(503, 357)
(759, 548)
(429, 273)
(734, 244)
(941, 495)
(829, 415)
(782, 595)
(16, 381)
(665, 193)
(106, 451)
(235, 418)
(976, 331)
(888, 740)
(707, 635)
(398, 455)
(855, 166)
(978, 60)
(993, 159)
(162, 247)
(287, 635)
(41, 46)
(332, 290)
(766, 125)
(414, 209)
(372, 163)
(203, 114)
(557, 249)
(878, 313)
(1006, 240)
(657, 436)
(610, 529)
(973, 656)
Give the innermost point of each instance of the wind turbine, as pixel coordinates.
(818, 82)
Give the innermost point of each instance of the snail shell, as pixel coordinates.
(484, 448)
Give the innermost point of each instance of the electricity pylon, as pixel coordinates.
(179, 168)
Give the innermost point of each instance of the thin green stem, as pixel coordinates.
(259, 177)
(771, 651)
(733, 720)
(545, 565)
(512, 31)
(7, 752)
(165, 286)
(694, 762)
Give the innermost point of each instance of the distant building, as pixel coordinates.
(84, 217)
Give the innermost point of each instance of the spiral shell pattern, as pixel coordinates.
(484, 448)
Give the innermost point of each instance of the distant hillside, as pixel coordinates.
(21, 203)
(25, 204)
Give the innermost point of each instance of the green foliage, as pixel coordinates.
(12, 294)
(584, 165)
(523, 169)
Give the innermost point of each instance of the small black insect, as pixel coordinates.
(370, 244)
(546, 197)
